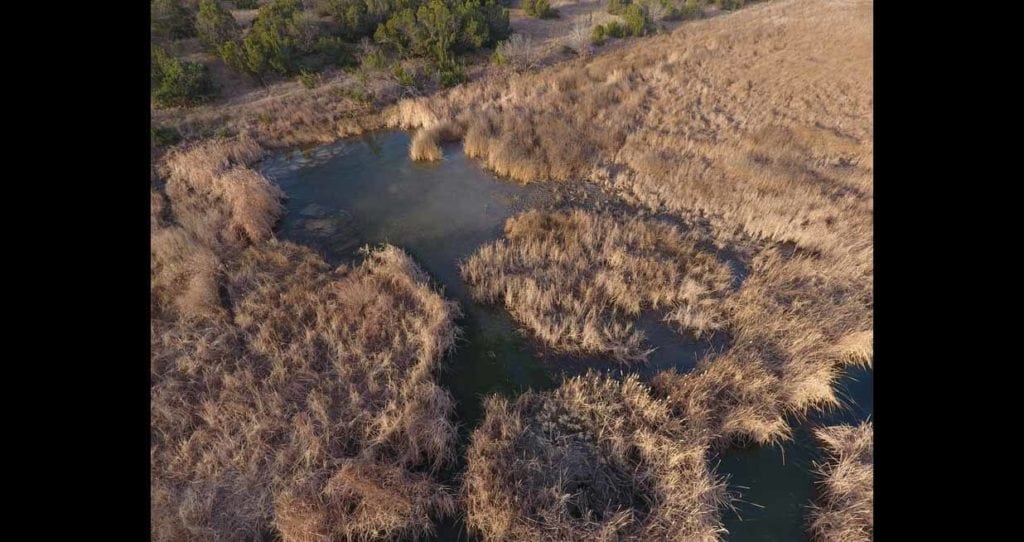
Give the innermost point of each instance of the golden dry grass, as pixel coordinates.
(732, 398)
(757, 123)
(216, 196)
(426, 143)
(579, 280)
(288, 399)
(286, 114)
(310, 410)
(595, 459)
(211, 205)
(845, 509)
(292, 400)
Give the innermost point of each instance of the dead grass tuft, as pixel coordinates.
(426, 143)
(845, 510)
(578, 280)
(595, 459)
(734, 399)
(184, 274)
(215, 196)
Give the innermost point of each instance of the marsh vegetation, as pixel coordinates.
(287, 395)
(300, 392)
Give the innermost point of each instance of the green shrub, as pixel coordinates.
(161, 136)
(246, 4)
(636, 20)
(214, 25)
(613, 29)
(374, 60)
(309, 79)
(354, 16)
(731, 4)
(403, 76)
(692, 9)
(597, 35)
(178, 83)
(335, 51)
(439, 29)
(270, 45)
(540, 9)
(359, 91)
(482, 24)
(169, 20)
(450, 73)
(616, 7)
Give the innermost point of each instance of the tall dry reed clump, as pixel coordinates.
(211, 206)
(845, 506)
(216, 195)
(577, 280)
(595, 459)
(426, 143)
(288, 400)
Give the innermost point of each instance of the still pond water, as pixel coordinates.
(367, 191)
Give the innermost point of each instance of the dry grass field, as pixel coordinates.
(844, 512)
(286, 114)
(287, 397)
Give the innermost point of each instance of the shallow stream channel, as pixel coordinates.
(366, 191)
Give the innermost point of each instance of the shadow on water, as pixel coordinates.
(366, 191)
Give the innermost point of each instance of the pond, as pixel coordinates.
(367, 191)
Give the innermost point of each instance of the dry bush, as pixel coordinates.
(517, 51)
(411, 114)
(579, 35)
(212, 204)
(794, 326)
(595, 459)
(311, 410)
(425, 147)
(845, 510)
(577, 280)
